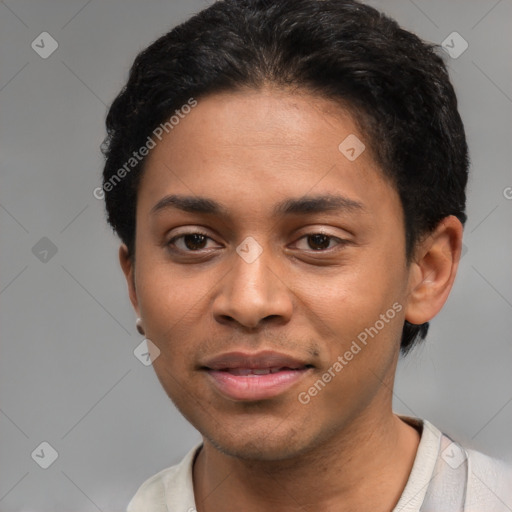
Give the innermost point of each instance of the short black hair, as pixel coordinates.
(396, 85)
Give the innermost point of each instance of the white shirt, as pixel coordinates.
(444, 478)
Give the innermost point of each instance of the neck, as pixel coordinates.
(363, 467)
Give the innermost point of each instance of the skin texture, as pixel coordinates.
(248, 150)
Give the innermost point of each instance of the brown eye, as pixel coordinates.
(319, 241)
(194, 241)
(190, 242)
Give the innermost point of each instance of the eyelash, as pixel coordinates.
(340, 241)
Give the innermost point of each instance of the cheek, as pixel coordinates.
(361, 304)
(361, 327)
(167, 301)
(353, 296)
(162, 284)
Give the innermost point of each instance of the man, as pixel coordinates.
(288, 181)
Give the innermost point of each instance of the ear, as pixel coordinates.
(128, 267)
(433, 271)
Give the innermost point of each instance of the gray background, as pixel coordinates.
(68, 373)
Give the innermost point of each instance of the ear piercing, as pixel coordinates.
(138, 324)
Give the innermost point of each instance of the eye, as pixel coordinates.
(320, 241)
(193, 241)
(196, 241)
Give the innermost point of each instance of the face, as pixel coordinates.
(273, 244)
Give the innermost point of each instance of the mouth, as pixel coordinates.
(240, 376)
(259, 371)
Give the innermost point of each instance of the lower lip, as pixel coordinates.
(255, 387)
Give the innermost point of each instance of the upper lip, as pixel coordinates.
(264, 359)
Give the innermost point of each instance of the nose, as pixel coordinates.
(253, 294)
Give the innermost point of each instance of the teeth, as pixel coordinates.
(240, 371)
(254, 371)
(261, 371)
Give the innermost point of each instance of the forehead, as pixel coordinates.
(252, 148)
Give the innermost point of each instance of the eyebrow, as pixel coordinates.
(302, 205)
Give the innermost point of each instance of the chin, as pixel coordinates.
(259, 432)
(283, 442)
(255, 449)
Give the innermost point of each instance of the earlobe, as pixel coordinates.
(433, 271)
(128, 268)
